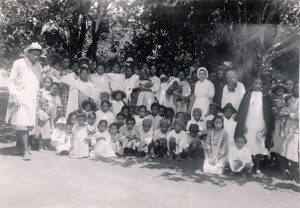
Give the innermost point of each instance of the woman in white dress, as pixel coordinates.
(80, 90)
(255, 121)
(204, 92)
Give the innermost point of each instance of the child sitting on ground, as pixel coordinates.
(160, 147)
(177, 140)
(115, 138)
(101, 142)
(216, 148)
(129, 137)
(240, 157)
(146, 135)
(79, 144)
(195, 143)
(60, 138)
(43, 127)
(91, 124)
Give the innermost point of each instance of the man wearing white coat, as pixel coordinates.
(24, 85)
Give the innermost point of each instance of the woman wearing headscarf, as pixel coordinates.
(204, 92)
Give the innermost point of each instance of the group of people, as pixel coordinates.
(84, 108)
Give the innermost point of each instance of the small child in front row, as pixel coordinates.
(146, 135)
(177, 140)
(195, 143)
(239, 157)
(101, 142)
(115, 138)
(60, 138)
(79, 143)
(160, 147)
(129, 137)
(43, 127)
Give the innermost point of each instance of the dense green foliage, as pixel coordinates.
(255, 35)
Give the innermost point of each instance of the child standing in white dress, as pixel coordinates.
(115, 138)
(43, 127)
(79, 143)
(229, 122)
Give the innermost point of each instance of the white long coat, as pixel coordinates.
(24, 82)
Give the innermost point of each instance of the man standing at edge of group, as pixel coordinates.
(24, 85)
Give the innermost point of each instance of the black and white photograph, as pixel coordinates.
(149, 103)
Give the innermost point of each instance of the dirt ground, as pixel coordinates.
(58, 181)
(52, 181)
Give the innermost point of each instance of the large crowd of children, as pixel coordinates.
(93, 109)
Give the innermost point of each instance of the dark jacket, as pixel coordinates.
(268, 117)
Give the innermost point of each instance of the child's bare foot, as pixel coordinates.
(244, 175)
(178, 158)
(258, 172)
(190, 158)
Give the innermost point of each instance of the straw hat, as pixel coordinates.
(113, 94)
(35, 46)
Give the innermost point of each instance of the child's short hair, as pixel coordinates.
(194, 128)
(125, 107)
(164, 122)
(170, 110)
(81, 115)
(102, 121)
(130, 118)
(147, 122)
(114, 124)
(92, 114)
(54, 84)
(49, 78)
(104, 94)
(162, 106)
(42, 101)
(120, 114)
(240, 137)
(99, 63)
(155, 105)
(107, 102)
(70, 116)
(142, 107)
(197, 110)
(180, 112)
(218, 117)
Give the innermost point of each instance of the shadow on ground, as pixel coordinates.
(192, 171)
